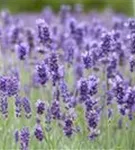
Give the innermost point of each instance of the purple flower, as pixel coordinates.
(12, 86)
(30, 38)
(119, 89)
(42, 73)
(79, 34)
(131, 24)
(92, 117)
(130, 101)
(90, 104)
(69, 50)
(78, 70)
(39, 132)
(93, 85)
(64, 91)
(9, 85)
(54, 67)
(27, 107)
(48, 119)
(43, 31)
(16, 136)
(88, 60)
(3, 81)
(68, 127)
(22, 50)
(83, 89)
(106, 43)
(24, 138)
(40, 106)
(111, 67)
(93, 135)
(110, 96)
(18, 106)
(4, 106)
(6, 17)
(132, 64)
(132, 43)
(72, 25)
(55, 110)
(14, 35)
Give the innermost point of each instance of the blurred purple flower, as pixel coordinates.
(24, 138)
(27, 107)
(40, 106)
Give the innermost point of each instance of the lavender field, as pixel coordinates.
(67, 80)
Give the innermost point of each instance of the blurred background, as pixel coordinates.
(15, 6)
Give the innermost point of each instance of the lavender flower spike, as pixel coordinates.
(40, 105)
(27, 107)
(39, 132)
(24, 138)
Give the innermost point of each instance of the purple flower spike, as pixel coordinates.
(9, 85)
(68, 127)
(4, 106)
(93, 135)
(16, 136)
(132, 64)
(40, 105)
(42, 73)
(93, 85)
(12, 86)
(88, 60)
(54, 68)
(18, 106)
(64, 91)
(55, 109)
(39, 132)
(43, 31)
(22, 50)
(27, 107)
(83, 89)
(24, 139)
(30, 38)
(3, 81)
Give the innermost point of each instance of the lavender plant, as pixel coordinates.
(67, 82)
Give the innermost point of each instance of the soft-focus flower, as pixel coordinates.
(4, 105)
(93, 85)
(22, 51)
(54, 67)
(132, 64)
(40, 106)
(42, 73)
(24, 138)
(64, 92)
(43, 31)
(88, 60)
(68, 127)
(27, 107)
(9, 85)
(18, 106)
(39, 132)
(55, 109)
(83, 89)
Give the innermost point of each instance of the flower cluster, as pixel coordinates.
(68, 71)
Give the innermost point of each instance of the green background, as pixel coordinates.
(125, 6)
